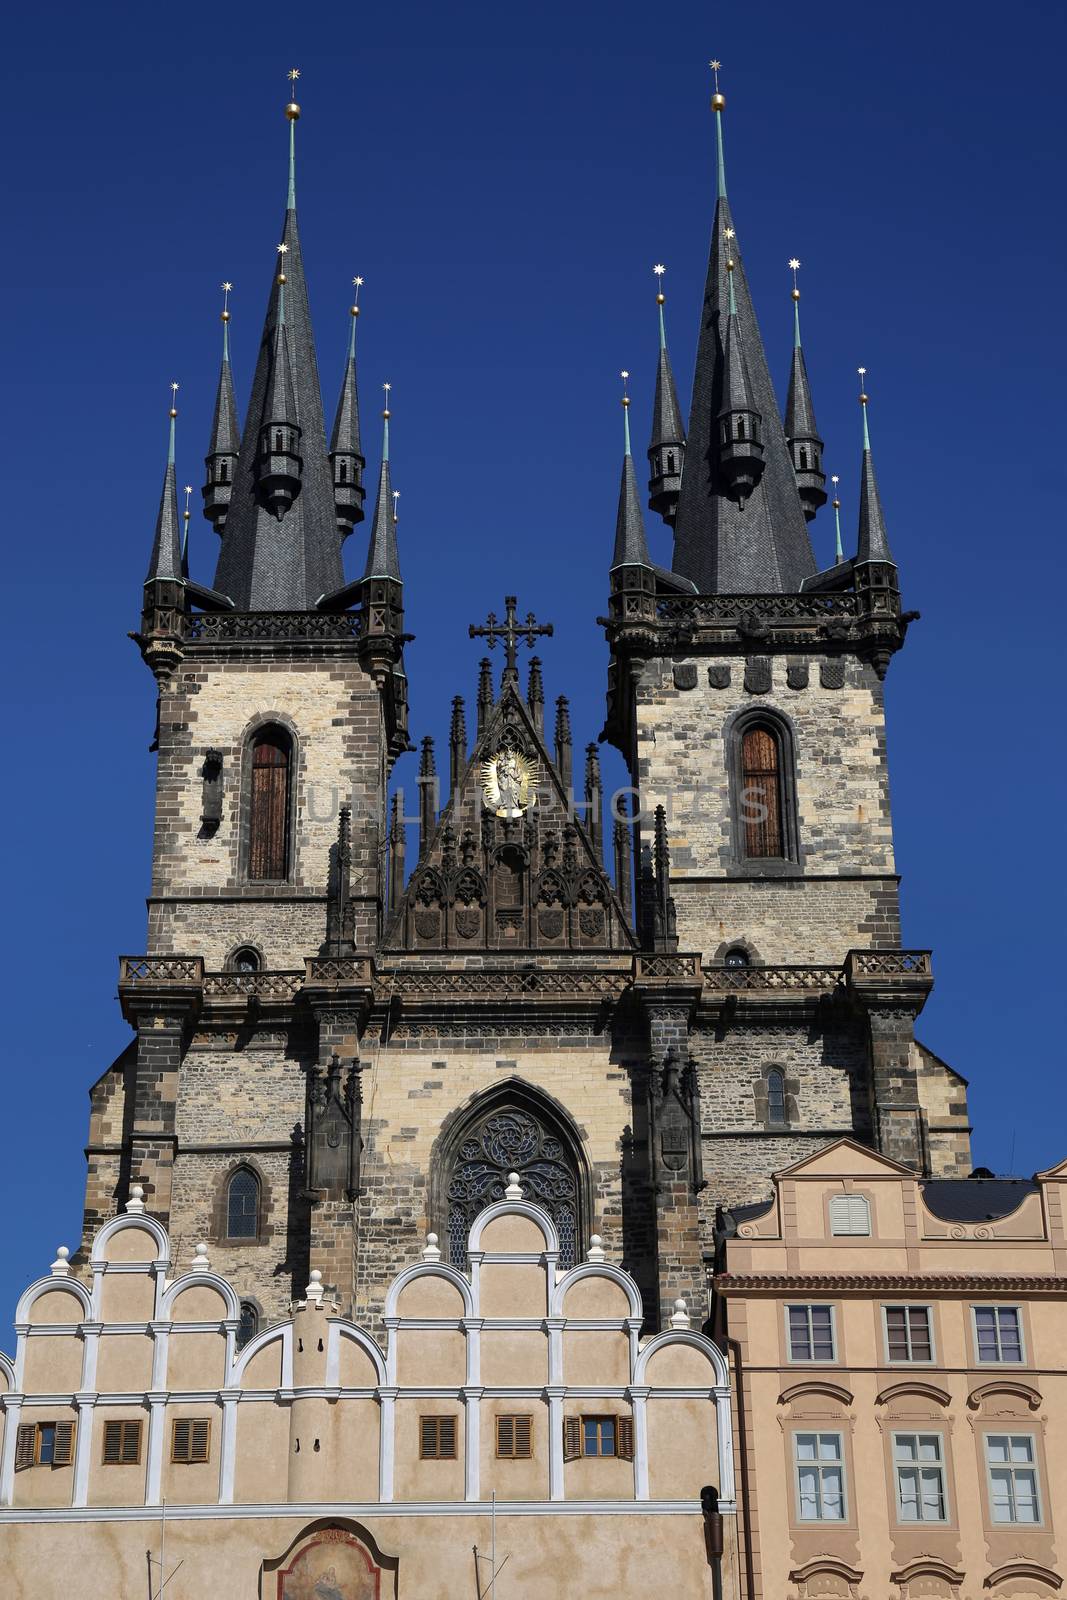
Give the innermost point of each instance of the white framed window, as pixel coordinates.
(850, 1214)
(909, 1335)
(1011, 1460)
(998, 1334)
(819, 1461)
(919, 1465)
(811, 1333)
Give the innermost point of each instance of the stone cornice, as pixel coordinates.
(862, 1283)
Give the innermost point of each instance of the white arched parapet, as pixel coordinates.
(341, 1329)
(428, 1269)
(7, 1367)
(679, 1336)
(596, 1269)
(514, 1208)
(281, 1331)
(52, 1285)
(127, 1219)
(192, 1280)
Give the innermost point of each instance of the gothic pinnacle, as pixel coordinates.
(631, 545)
(166, 558)
(802, 434)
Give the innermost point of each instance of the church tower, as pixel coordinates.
(746, 696)
(347, 1040)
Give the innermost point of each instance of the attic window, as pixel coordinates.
(740, 427)
(803, 460)
(670, 462)
(850, 1214)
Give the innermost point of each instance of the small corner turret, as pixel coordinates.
(225, 447)
(346, 456)
(666, 447)
(802, 434)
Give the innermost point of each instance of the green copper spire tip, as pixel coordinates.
(173, 415)
(291, 201)
(662, 331)
(796, 324)
(866, 430)
(732, 301)
(839, 554)
(385, 424)
(720, 160)
(626, 427)
(352, 341)
(225, 341)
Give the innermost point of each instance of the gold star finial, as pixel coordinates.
(794, 267)
(718, 101)
(625, 376)
(863, 386)
(293, 74)
(226, 287)
(292, 110)
(386, 387)
(659, 269)
(174, 399)
(396, 506)
(283, 249)
(357, 284)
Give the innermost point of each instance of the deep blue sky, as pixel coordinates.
(504, 179)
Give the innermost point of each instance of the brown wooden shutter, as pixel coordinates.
(112, 1443)
(572, 1438)
(268, 826)
(63, 1454)
(427, 1438)
(122, 1443)
(181, 1439)
(25, 1445)
(523, 1437)
(624, 1436)
(446, 1438)
(761, 808)
(505, 1436)
(201, 1439)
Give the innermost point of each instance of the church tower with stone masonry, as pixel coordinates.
(341, 1044)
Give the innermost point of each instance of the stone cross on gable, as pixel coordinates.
(511, 632)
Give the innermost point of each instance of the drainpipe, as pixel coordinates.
(742, 1452)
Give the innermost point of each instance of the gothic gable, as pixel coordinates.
(509, 866)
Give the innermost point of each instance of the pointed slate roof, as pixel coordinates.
(873, 542)
(762, 547)
(631, 544)
(345, 437)
(383, 557)
(225, 428)
(166, 559)
(799, 412)
(666, 413)
(264, 564)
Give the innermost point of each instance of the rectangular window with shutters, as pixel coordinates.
(122, 1444)
(44, 1444)
(190, 1440)
(514, 1436)
(437, 1438)
(811, 1333)
(908, 1334)
(598, 1436)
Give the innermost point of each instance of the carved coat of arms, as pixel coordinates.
(508, 783)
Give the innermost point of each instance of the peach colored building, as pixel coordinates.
(515, 1423)
(903, 1392)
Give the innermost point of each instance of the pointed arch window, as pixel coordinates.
(268, 822)
(762, 792)
(776, 1116)
(510, 1133)
(242, 1205)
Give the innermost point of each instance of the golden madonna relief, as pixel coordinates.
(508, 783)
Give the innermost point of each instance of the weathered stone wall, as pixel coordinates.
(943, 1097)
(842, 893)
(200, 901)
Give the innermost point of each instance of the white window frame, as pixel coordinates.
(1010, 1467)
(812, 1360)
(849, 1200)
(909, 1360)
(820, 1466)
(918, 1467)
(999, 1306)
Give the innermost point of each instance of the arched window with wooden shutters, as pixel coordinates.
(761, 791)
(269, 802)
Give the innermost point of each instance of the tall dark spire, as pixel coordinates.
(166, 559)
(631, 545)
(383, 560)
(346, 456)
(873, 543)
(269, 563)
(722, 545)
(221, 459)
(666, 448)
(801, 431)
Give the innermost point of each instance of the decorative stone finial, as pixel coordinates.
(680, 1319)
(314, 1292)
(135, 1204)
(200, 1260)
(514, 1188)
(430, 1251)
(59, 1268)
(596, 1248)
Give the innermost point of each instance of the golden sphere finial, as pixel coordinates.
(718, 102)
(292, 110)
(796, 294)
